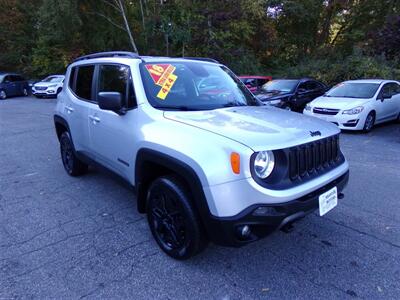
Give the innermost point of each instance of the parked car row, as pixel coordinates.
(14, 85)
(351, 105)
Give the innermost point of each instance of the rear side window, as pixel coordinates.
(117, 78)
(84, 81)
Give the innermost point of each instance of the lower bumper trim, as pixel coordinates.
(225, 229)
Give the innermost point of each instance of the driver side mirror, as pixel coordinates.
(111, 101)
(384, 96)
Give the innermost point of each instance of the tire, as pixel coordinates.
(288, 108)
(58, 91)
(3, 95)
(369, 122)
(72, 165)
(173, 222)
(398, 118)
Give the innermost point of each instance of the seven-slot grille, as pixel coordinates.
(313, 157)
(325, 111)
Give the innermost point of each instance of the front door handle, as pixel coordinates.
(94, 119)
(69, 109)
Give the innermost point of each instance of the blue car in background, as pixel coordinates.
(12, 84)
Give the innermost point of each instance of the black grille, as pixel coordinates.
(325, 111)
(314, 157)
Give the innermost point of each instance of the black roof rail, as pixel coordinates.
(109, 54)
(202, 59)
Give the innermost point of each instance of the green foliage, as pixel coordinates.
(285, 38)
(335, 69)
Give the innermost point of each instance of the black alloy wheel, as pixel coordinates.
(172, 220)
(72, 165)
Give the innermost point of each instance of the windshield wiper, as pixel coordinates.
(180, 107)
(234, 104)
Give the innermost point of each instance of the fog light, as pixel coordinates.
(244, 231)
(264, 211)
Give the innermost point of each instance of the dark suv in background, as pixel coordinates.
(291, 94)
(12, 85)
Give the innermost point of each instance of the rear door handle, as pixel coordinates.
(94, 119)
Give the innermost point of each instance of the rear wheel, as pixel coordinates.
(72, 164)
(369, 122)
(3, 95)
(172, 220)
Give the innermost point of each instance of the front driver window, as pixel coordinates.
(117, 78)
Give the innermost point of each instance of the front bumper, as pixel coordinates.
(345, 122)
(225, 229)
(48, 92)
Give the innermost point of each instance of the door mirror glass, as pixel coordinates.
(110, 101)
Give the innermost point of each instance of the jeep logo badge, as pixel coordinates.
(315, 133)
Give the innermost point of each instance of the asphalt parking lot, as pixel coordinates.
(63, 237)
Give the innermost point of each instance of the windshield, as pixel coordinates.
(193, 86)
(53, 79)
(280, 85)
(353, 90)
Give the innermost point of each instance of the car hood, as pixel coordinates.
(338, 102)
(260, 128)
(265, 96)
(46, 84)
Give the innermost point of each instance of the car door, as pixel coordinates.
(386, 108)
(396, 98)
(9, 85)
(19, 85)
(76, 105)
(112, 135)
(304, 94)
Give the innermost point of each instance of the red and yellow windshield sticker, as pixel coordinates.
(163, 75)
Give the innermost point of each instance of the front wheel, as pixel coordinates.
(173, 221)
(369, 122)
(71, 162)
(3, 95)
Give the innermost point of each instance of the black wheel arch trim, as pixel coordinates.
(181, 169)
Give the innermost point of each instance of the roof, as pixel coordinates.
(377, 81)
(132, 55)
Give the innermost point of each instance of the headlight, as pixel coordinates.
(264, 164)
(353, 111)
(308, 107)
(52, 85)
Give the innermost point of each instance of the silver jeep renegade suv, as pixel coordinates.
(208, 161)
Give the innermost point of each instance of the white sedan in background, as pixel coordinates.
(358, 104)
(51, 86)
